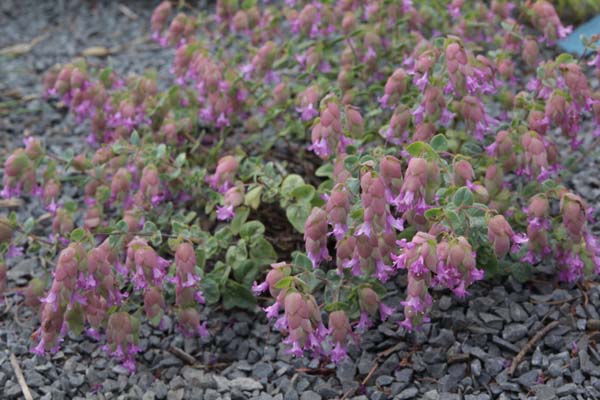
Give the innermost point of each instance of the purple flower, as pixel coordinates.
(225, 213)
(338, 353)
(385, 311)
(272, 311)
(258, 289)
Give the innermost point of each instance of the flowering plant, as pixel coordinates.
(391, 138)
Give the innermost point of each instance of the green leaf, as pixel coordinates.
(180, 160)
(304, 193)
(245, 272)
(297, 214)
(284, 283)
(105, 75)
(350, 162)
(302, 260)
(135, 138)
(325, 171)
(252, 230)
(522, 272)
(290, 183)
(472, 149)
(70, 206)
(152, 230)
(220, 273)
(252, 198)
(116, 241)
(417, 149)
(263, 252)
(236, 253)
(224, 237)
(161, 151)
(463, 196)
(237, 295)
(77, 235)
(122, 226)
(210, 290)
(434, 213)
(439, 143)
(28, 225)
(241, 215)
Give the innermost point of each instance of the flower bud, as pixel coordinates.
(189, 322)
(296, 310)
(493, 179)
(33, 292)
(545, 19)
(348, 23)
(573, 211)
(240, 21)
(281, 94)
(530, 52)
(499, 234)
(154, 304)
(354, 121)
(368, 300)
(62, 224)
(315, 236)
(463, 172)
(234, 197)
(160, 15)
(424, 132)
(17, 163)
(33, 148)
(339, 326)
(185, 259)
(538, 206)
(273, 277)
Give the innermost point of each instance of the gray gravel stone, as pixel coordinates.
(326, 390)
(544, 392)
(444, 339)
(408, 393)
(160, 388)
(493, 365)
(384, 380)
(555, 369)
(518, 313)
(566, 390)
(514, 332)
(528, 379)
(345, 372)
(310, 395)
(476, 367)
(445, 303)
(290, 394)
(262, 370)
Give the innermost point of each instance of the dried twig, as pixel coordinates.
(183, 356)
(538, 336)
(128, 12)
(22, 48)
(556, 302)
(20, 378)
(11, 203)
(458, 358)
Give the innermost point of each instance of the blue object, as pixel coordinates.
(573, 44)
